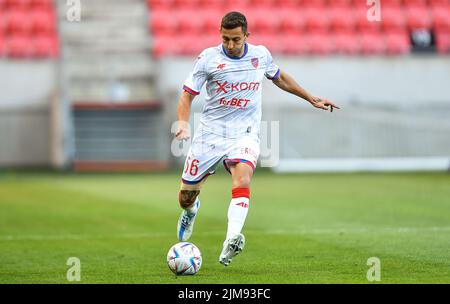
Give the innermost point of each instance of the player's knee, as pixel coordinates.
(187, 197)
(242, 182)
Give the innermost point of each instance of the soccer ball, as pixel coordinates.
(184, 259)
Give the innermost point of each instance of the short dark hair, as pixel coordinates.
(233, 20)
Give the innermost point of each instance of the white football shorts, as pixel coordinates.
(208, 149)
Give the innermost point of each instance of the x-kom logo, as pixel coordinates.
(238, 86)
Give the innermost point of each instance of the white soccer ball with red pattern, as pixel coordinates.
(184, 259)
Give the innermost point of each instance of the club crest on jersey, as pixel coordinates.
(255, 62)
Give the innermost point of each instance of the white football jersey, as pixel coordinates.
(233, 87)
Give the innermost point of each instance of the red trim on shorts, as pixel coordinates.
(195, 182)
(237, 160)
(240, 192)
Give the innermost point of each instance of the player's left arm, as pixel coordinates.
(288, 84)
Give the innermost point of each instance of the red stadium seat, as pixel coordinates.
(42, 4)
(317, 20)
(211, 19)
(2, 46)
(398, 43)
(270, 41)
(17, 21)
(320, 44)
(340, 3)
(342, 19)
(261, 3)
(443, 42)
(441, 18)
(211, 4)
(441, 3)
(162, 22)
(290, 4)
(418, 18)
(372, 44)
(159, 4)
(163, 45)
(45, 46)
(347, 43)
(188, 22)
(290, 21)
(414, 3)
(364, 25)
(318, 4)
(43, 21)
(17, 4)
(18, 46)
(261, 21)
(294, 44)
(393, 19)
(185, 4)
(189, 45)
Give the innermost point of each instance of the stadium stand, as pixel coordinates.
(326, 26)
(28, 29)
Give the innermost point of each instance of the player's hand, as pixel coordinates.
(323, 104)
(183, 131)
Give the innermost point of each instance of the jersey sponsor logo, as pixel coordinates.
(255, 62)
(242, 204)
(238, 86)
(234, 102)
(221, 66)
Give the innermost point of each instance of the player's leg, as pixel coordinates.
(234, 243)
(201, 162)
(189, 201)
(241, 164)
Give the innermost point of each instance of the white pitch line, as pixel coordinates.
(331, 231)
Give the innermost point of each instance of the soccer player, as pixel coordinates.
(229, 127)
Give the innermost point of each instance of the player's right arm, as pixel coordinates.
(184, 111)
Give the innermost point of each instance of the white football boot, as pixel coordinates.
(231, 248)
(186, 224)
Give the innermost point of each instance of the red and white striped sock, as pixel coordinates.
(237, 211)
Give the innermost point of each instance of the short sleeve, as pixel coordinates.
(197, 77)
(272, 70)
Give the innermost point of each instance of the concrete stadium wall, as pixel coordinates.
(27, 88)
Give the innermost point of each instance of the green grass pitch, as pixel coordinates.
(301, 228)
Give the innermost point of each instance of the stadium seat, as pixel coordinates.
(363, 25)
(320, 44)
(189, 44)
(17, 22)
(2, 45)
(317, 20)
(260, 21)
(342, 19)
(393, 19)
(270, 41)
(347, 43)
(294, 44)
(414, 3)
(45, 46)
(187, 21)
(418, 18)
(163, 45)
(441, 18)
(162, 22)
(290, 21)
(42, 4)
(159, 4)
(17, 4)
(211, 4)
(443, 42)
(18, 46)
(398, 43)
(185, 4)
(339, 3)
(372, 44)
(290, 4)
(42, 21)
(211, 19)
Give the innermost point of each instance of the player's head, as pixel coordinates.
(233, 30)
